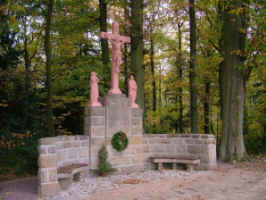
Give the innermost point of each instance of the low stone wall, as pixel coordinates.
(55, 152)
(201, 145)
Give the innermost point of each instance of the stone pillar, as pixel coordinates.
(94, 127)
(209, 153)
(101, 123)
(48, 183)
(118, 114)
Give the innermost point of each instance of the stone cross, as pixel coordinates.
(116, 41)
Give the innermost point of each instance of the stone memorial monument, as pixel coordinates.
(118, 113)
(121, 114)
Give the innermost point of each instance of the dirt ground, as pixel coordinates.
(239, 181)
(244, 181)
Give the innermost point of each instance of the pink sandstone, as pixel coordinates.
(116, 41)
(132, 91)
(94, 95)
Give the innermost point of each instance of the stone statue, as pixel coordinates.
(94, 95)
(132, 91)
(116, 41)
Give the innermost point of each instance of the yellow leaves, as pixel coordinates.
(60, 101)
(237, 11)
(237, 52)
(4, 9)
(12, 19)
(3, 105)
(20, 10)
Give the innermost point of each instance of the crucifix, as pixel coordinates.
(116, 41)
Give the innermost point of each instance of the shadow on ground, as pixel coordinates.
(24, 189)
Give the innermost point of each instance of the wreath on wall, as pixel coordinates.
(119, 141)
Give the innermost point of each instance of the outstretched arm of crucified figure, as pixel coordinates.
(105, 35)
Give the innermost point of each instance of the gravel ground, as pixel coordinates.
(87, 187)
(22, 189)
(228, 182)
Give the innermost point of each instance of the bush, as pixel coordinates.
(104, 167)
(255, 143)
(20, 155)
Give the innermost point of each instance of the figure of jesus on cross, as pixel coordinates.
(116, 41)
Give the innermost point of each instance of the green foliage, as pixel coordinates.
(22, 154)
(104, 167)
(255, 143)
(119, 141)
(165, 120)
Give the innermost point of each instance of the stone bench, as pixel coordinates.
(74, 172)
(62, 159)
(189, 161)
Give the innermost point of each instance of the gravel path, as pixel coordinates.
(222, 184)
(228, 182)
(23, 189)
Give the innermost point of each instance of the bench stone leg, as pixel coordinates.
(65, 183)
(76, 177)
(175, 166)
(160, 166)
(190, 168)
(84, 174)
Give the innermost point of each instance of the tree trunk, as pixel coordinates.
(137, 46)
(104, 43)
(221, 75)
(233, 87)
(207, 107)
(160, 86)
(126, 69)
(47, 47)
(180, 77)
(154, 100)
(192, 73)
(27, 83)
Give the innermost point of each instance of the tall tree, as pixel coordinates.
(9, 55)
(154, 99)
(104, 43)
(180, 76)
(206, 106)
(153, 13)
(233, 79)
(137, 47)
(31, 39)
(192, 65)
(48, 54)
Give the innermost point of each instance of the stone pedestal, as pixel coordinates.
(101, 123)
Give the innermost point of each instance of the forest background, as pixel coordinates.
(192, 60)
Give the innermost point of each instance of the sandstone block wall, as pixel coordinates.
(101, 123)
(55, 152)
(94, 128)
(201, 145)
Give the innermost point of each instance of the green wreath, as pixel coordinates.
(119, 141)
